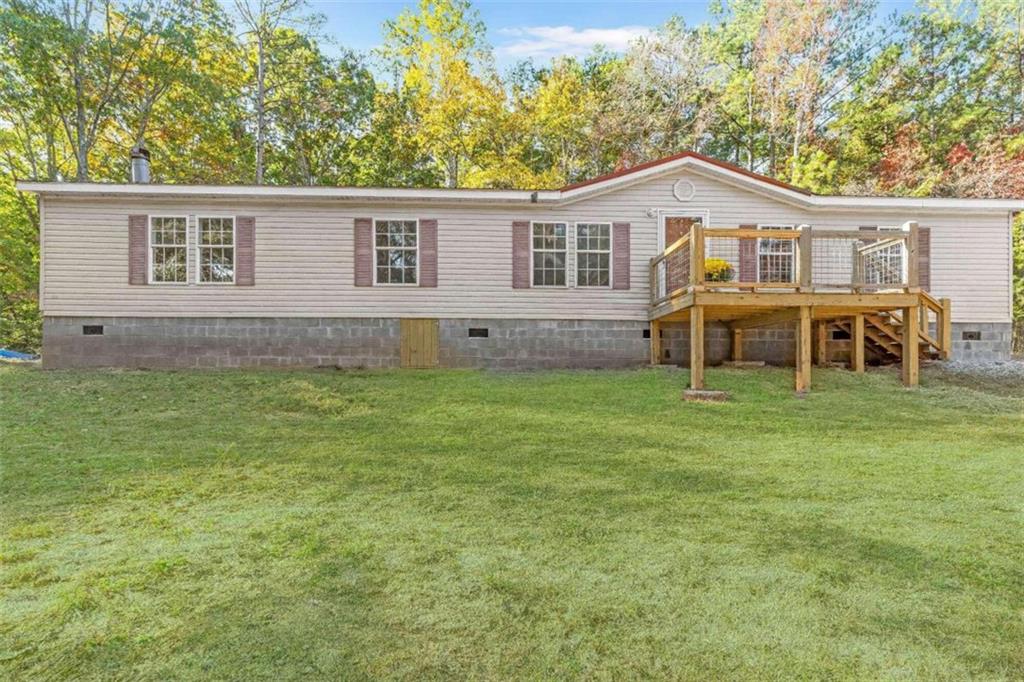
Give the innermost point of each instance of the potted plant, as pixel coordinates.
(717, 270)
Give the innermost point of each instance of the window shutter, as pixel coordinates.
(521, 254)
(245, 251)
(363, 239)
(868, 228)
(620, 255)
(428, 252)
(138, 258)
(748, 256)
(924, 257)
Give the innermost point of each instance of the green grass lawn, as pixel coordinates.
(446, 524)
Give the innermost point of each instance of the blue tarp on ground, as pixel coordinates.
(15, 355)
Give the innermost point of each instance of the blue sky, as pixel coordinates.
(538, 29)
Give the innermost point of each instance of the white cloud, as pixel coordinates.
(551, 41)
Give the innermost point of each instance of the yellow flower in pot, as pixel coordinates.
(717, 270)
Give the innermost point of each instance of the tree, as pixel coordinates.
(444, 68)
(662, 94)
(262, 20)
(320, 109)
(87, 63)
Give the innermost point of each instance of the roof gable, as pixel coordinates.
(677, 160)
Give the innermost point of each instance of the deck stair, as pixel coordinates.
(883, 337)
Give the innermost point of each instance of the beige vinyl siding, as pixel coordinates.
(304, 256)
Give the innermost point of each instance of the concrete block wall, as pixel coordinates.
(773, 345)
(538, 344)
(181, 342)
(175, 342)
(994, 344)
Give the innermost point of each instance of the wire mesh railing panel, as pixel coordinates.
(677, 270)
(884, 263)
(670, 273)
(721, 259)
(833, 262)
(845, 262)
(751, 260)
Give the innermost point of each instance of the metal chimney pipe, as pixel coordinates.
(140, 164)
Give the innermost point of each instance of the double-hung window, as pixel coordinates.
(168, 249)
(775, 257)
(593, 254)
(216, 246)
(550, 246)
(396, 247)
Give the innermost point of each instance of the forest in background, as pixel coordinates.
(829, 95)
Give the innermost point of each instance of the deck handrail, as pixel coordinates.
(656, 281)
(869, 265)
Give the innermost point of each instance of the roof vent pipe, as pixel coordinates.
(140, 164)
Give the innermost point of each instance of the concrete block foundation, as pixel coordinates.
(192, 342)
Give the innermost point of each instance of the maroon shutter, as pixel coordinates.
(620, 255)
(428, 252)
(520, 254)
(924, 258)
(138, 225)
(363, 239)
(868, 228)
(245, 251)
(748, 256)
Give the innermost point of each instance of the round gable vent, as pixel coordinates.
(683, 189)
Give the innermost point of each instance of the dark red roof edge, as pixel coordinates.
(682, 155)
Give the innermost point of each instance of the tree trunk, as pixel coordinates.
(81, 145)
(453, 171)
(260, 107)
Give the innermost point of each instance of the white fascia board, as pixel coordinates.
(277, 192)
(919, 204)
(548, 197)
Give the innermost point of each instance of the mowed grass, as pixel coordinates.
(444, 524)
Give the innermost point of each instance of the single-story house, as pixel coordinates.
(157, 275)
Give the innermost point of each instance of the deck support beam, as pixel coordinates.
(803, 350)
(737, 345)
(857, 344)
(655, 342)
(697, 347)
(910, 357)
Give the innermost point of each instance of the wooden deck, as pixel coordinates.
(865, 282)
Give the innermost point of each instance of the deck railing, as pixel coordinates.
(801, 259)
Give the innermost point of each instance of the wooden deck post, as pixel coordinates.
(697, 347)
(655, 342)
(737, 345)
(910, 359)
(947, 329)
(857, 343)
(913, 278)
(697, 255)
(804, 245)
(822, 344)
(803, 350)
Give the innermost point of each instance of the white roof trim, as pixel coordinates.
(501, 196)
(289, 192)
